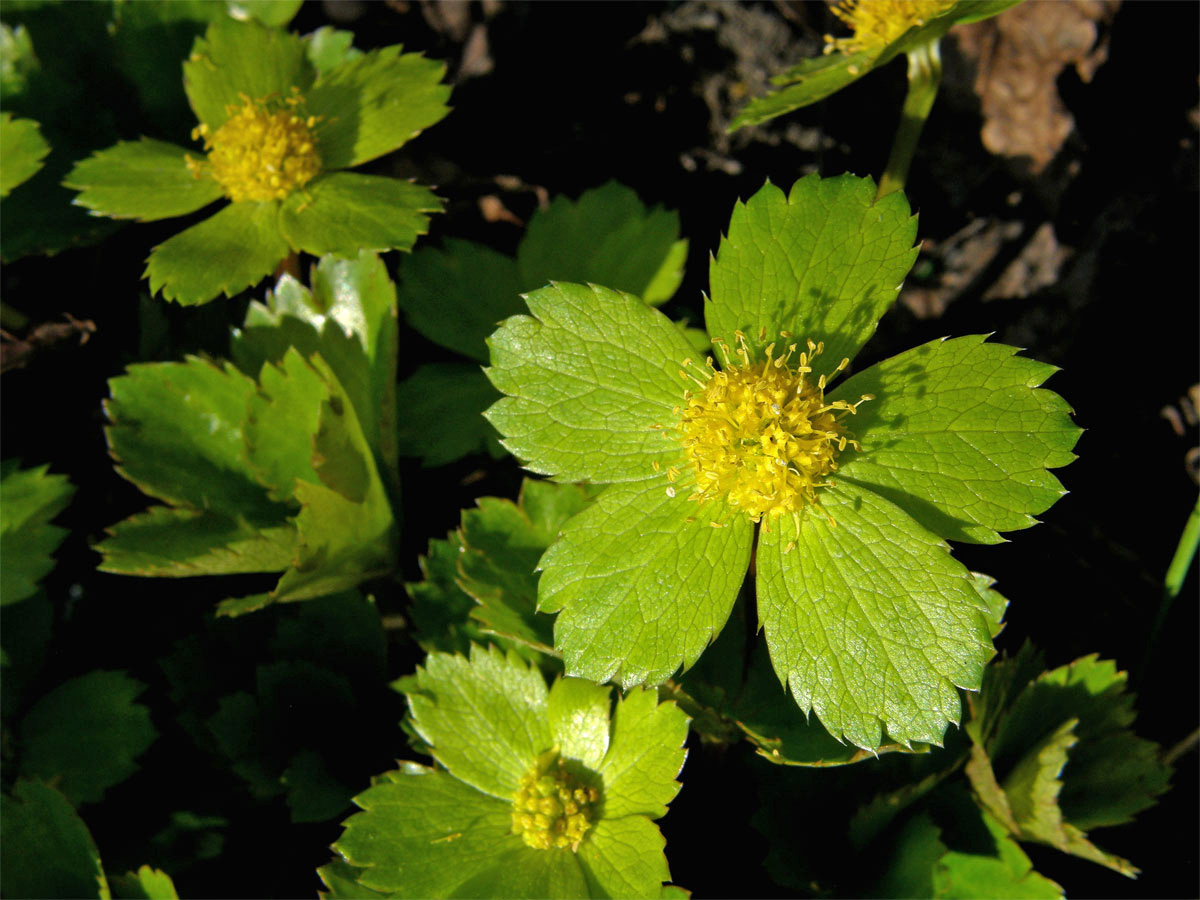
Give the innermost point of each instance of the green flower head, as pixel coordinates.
(279, 123)
(540, 792)
(841, 490)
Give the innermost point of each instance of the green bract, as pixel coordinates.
(489, 722)
(869, 620)
(815, 79)
(238, 76)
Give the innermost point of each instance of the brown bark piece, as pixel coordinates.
(1018, 55)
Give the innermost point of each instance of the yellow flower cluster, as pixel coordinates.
(265, 150)
(877, 23)
(762, 435)
(552, 806)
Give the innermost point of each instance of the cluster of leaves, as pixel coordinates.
(281, 463)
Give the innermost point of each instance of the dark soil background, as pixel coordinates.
(576, 94)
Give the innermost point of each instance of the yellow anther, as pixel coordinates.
(263, 151)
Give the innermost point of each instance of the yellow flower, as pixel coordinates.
(877, 23)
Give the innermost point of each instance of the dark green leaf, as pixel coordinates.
(48, 852)
(439, 413)
(29, 499)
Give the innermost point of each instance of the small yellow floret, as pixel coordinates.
(877, 23)
(265, 150)
(762, 435)
(553, 807)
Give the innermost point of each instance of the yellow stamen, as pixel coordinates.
(553, 806)
(265, 150)
(762, 435)
(877, 23)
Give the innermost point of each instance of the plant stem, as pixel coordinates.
(924, 76)
(1177, 571)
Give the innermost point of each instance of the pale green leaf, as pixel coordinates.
(642, 590)
(606, 237)
(29, 499)
(22, 148)
(424, 833)
(624, 858)
(345, 213)
(440, 413)
(814, 79)
(269, 12)
(330, 47)
(457, 294)
(644, 757)
(177, 433)
(179, 543)
(578, 716)
(231, 250)
(485, 719)
(47, 849)
(872, 624)
(592, 379)
(371, 105)
(242, 58)
(144, 884)
(959, 436)
(143, 180)
(822, 263)
(85, 734)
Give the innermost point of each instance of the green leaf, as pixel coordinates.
(180, 543)
(1062, 759)
(424, 833)
(349, 317)
(872, 624)
(642, 590)
(373, 104)
(502, 544)
(823, 263)
(235, 58)
(440, 413)
(783, 734)
(441, 609)
(269, 12)
(457, 294)
(346, 529)
(143, 180)
(341, 879)
(330, 47)
(578, 715)
(144, 884)
(644, 757)
(29, 499)
(177, 433)
(909, 871)
(605, 237)
(815, 79)
(1006, 874)
(959, 437)
(624, 858)
(314, 795)
(226, 253)
(23, 149)
(485, 719)
(282, 417)
(592, 379)
(85, 735)
(344, 213)
(47, 849)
